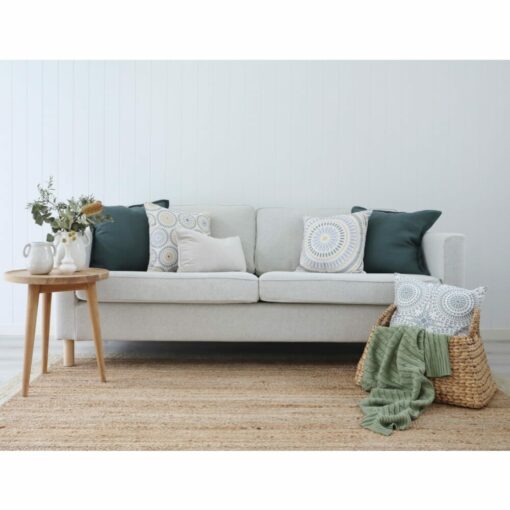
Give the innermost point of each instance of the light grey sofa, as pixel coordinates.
(270, 302)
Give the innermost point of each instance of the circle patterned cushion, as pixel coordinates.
(335, 244)
(438, 308)
(163, 224)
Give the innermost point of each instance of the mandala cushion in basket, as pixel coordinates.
(438, 308)
(163, 226)
(334, 244)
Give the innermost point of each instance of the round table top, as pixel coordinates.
(89, 275)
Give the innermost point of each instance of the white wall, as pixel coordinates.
(405, 135)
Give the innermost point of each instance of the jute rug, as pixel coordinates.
(226, 405)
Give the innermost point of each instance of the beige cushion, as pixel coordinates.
(200, 253)
(229, 221)
(334, 288)
(145, 287)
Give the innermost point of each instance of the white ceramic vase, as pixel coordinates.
(40, 257)
(67, 265)
(76, 248)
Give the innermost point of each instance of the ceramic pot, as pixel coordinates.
(77, 249)
(40, 257)
(67, 265)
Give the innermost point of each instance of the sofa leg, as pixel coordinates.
(68, 353)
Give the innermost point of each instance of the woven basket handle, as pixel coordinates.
(474, 327)
(385, 318)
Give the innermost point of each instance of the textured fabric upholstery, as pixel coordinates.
(280, 235)
(231, 221)
(444, 255)
(341, 288)
(257, 322)
(157, 287)
(65, 306)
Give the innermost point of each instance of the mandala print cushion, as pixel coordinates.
(163, 224)
(438, 308)
(335, 244)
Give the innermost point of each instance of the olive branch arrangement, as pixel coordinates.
(73, 216)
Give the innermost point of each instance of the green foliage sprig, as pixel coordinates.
(75, 215)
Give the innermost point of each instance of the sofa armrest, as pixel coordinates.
(65, 316)
(444, 255)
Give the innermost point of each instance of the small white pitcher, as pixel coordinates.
(40, 257)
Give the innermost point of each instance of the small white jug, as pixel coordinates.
(40, 257)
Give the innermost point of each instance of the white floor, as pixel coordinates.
(11, 352)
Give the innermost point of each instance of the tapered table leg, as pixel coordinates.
(96, 327)
(46, 331)
(32, 304)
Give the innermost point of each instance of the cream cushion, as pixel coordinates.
(200, 253)
(169, 287)
(334, 288)
(229, 221)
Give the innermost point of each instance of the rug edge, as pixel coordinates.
(503, 383)
(12, 387)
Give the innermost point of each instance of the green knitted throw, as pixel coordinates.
(397, 361)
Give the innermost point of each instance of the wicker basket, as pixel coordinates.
(471, 383)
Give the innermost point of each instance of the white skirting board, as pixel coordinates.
(496, 335)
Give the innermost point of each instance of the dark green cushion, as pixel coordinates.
(393, 242)
(123, 245)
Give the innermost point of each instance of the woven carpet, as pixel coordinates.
(174, 404)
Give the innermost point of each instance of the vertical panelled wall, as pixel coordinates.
(404, 135)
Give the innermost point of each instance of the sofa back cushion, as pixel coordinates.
(231, 221)
(123, 244)
(280, 235)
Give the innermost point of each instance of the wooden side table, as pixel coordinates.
(47, 284)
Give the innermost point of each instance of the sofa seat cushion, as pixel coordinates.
(337, 288)
(148, 287)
